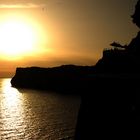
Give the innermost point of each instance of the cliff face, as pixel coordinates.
(123, 59)
(118, 61)
(58, 78)
(136, 15)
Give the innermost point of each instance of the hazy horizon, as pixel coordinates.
(58, 32)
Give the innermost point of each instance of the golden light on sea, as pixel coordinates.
(12, 112)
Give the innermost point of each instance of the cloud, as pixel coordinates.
(27, 5)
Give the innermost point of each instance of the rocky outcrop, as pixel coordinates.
(136, 15)
(118, 61)
(123, 59)
(66, 77)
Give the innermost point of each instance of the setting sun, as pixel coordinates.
(16, 37)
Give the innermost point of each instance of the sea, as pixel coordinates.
(36, 115)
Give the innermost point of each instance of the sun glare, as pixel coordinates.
(16, 39)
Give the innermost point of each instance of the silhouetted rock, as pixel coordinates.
(109, 111)
(63, 78)
(118, 61)
(118, 45)
(136, 15)
(134, 46)
(123, 58)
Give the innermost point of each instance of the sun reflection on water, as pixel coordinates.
(11, 94)
(11, 112)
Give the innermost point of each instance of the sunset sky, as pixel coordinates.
(53, 32)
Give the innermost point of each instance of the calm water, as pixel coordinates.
(36, 115)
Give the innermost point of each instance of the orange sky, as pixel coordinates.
(68, 31)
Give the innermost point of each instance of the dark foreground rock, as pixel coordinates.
(110, 110)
